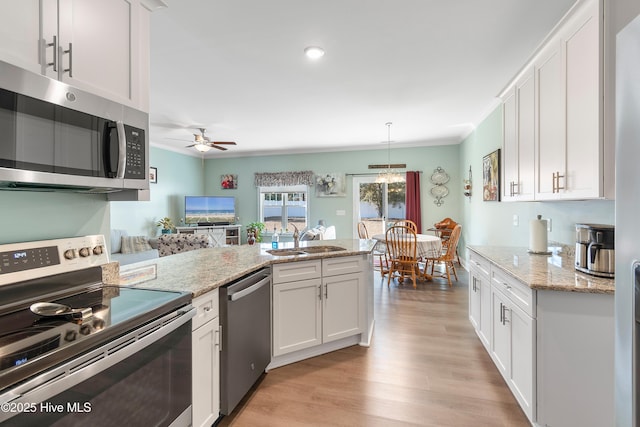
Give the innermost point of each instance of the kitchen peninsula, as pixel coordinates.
(549, 331)
(318, 301)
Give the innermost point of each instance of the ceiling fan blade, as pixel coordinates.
(224, 142)
(192, 145)
(176, 139)
(215, 146)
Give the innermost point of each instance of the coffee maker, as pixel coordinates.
(595, 253)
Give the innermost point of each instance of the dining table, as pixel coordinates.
(427, 245)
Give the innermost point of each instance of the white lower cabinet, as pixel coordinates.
(297, 315)
(513, 349)
(343, 307)
(480, 298)
(502, 311)
(317, 302)
(205, 344)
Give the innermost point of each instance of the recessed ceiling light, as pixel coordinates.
(314, 52)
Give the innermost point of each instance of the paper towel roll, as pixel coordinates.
(538, 235)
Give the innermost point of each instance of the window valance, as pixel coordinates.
(277, 179)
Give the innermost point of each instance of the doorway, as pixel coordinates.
(377, 204)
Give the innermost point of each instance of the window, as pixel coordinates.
(282, 206)
(377, 204)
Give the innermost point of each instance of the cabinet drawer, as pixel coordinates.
(341, 265)
(293, 271)
(206, 309)
(480, 263)
(519, 293)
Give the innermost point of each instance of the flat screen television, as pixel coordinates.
(209, 210)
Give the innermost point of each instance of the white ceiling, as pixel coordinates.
(432, 67)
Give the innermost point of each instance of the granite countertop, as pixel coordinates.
(204, 270)
(553, 272)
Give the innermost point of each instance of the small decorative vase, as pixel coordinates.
(251, 238)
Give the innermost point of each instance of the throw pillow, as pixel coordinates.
(133, 244)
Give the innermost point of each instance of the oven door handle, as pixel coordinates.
(251, 289)
(73, 372)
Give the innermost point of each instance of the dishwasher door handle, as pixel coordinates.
(251, 289)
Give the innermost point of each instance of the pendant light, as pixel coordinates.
(389, 175)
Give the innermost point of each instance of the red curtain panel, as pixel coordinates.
(413, 198)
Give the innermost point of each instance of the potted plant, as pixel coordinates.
(256, 228)
(166, 224)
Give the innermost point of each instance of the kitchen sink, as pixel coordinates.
(304, 251)
(322, 249)
(285, 252)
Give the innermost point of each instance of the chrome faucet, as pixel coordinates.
(296, 237)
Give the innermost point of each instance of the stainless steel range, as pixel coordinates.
(75, 351)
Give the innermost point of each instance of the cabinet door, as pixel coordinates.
(551, 141)
(474, 300)
(522, 329)
(344, 306)
(484, 284)
(584, 174)
(525, 97)
(206, 374)
(20, 33)
(218, 236)
(509, 145)
(500, 334)
(98, 44)
(297, 316)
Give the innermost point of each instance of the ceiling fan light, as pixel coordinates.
(203, 148)
(314, 52)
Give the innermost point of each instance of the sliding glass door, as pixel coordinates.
(377, 204)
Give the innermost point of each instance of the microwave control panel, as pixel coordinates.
(136, 167)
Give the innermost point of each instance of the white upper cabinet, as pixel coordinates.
(581, 46)
(551, 151)
(519, 138)
(99, 46)
(561, 110)
(20, 33)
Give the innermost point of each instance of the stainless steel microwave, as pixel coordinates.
(56, 137)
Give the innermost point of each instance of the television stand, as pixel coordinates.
(222, 235)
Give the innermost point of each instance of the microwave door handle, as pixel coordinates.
(122, 150)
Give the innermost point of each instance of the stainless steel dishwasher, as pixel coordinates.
(245, 317)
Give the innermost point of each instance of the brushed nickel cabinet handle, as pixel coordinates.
(70, 52)
(54, 45)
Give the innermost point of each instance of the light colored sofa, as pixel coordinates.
(133, 249)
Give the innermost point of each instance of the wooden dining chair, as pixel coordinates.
(448, 257)
(362, 230)
(401, 244)
(379, 249)
(407, 223)
(444, 229)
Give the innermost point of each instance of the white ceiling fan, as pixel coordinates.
(203, 143)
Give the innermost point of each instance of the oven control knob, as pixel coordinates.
(85, 252)
(85, 329)
(70, 335)
(69, 254)
(98, 250)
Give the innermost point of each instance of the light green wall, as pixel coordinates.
(424, 159)
(491, 223)
(26, 215)
(178, 175)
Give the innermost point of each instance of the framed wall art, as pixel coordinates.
(330, 185)
(153, 175)
(229, 181)
(491, 177)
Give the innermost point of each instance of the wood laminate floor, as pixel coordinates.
(425, 367)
